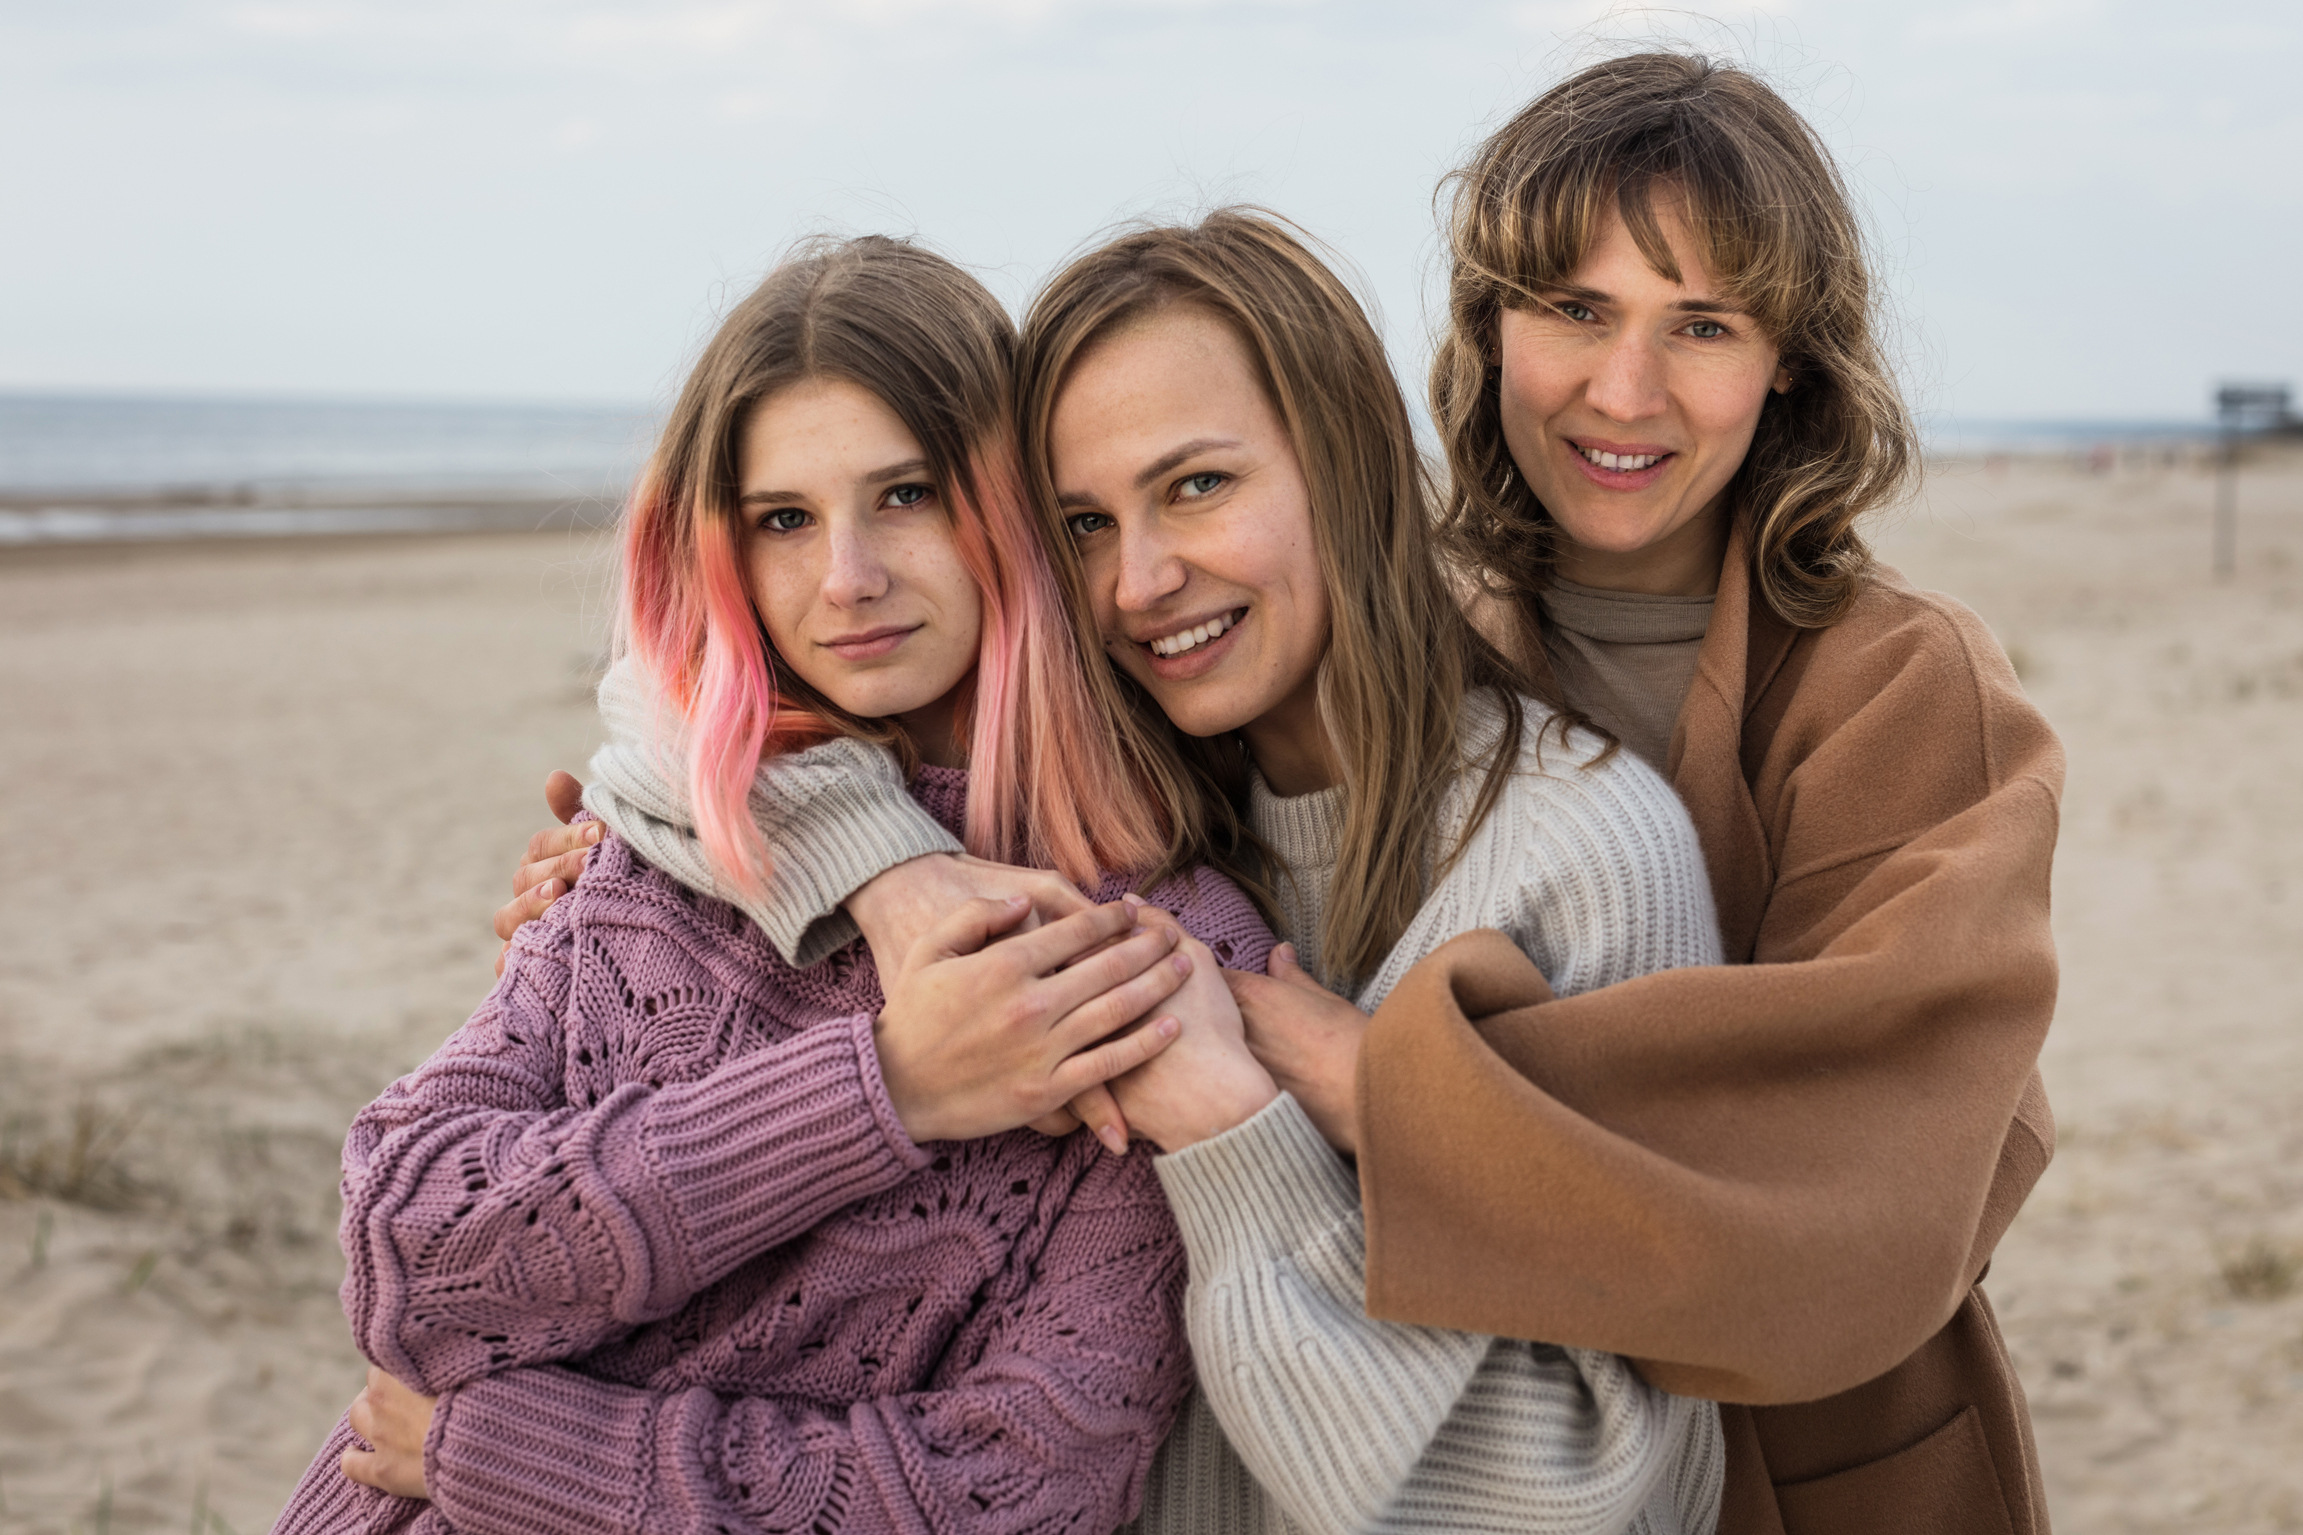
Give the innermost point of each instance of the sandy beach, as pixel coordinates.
(266, 793)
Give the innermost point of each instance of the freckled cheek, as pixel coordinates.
(782, 597)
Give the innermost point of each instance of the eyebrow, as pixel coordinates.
(893, 472)
(1594, 296)
(1164, 464)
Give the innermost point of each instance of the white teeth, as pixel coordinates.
(1622, 463)
(1191, 639)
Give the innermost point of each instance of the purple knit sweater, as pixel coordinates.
(650, 1228)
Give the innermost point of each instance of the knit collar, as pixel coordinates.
(1625, 618)
(1302, 830)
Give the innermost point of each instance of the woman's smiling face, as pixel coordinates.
(1182, 489)
(1628, 403)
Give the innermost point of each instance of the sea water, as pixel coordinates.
(94, 467)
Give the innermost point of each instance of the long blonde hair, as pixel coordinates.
(1400, 656)
(1767, 207)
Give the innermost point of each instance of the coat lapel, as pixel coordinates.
(1738, 658)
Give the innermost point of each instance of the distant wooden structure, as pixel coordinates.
(2243, 410)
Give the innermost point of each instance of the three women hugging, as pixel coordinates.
(1618, 1137)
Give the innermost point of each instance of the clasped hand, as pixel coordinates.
(980, 1036)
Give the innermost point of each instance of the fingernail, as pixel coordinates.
(1133, 900)
(548, 889)
(1182, 963)
(592, 832)
(1018, 900)
(1114, 1142)
(1168, 1028)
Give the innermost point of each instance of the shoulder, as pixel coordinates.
(1565, 783)
(1587, 860)
(623, 900)
(1909, 674)
(1895, 631)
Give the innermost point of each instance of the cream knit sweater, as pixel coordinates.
(1310, 1415)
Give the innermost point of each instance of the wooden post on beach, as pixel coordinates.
(2239, 408)
(2227, 506)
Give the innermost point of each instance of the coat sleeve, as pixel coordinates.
(489, 1222)
(1767, 1182)
(1045, 1417)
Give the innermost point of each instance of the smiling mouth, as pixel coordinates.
(1184, 641)
(1620, 463)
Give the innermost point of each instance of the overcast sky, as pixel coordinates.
(2085, 208)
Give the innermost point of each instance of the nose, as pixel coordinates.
(1150, 570)
(856, 573)
(1628, 383)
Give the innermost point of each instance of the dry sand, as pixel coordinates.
(264, 797)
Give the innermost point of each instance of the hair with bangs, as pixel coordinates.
(1763, 201)
(1400, 653)
(1046, 784)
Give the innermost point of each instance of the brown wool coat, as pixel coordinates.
(1775, 1183)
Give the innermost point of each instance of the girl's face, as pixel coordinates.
(1193, 521)
(1628, 403)
(854, 570)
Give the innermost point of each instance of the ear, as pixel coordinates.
(1782, 384)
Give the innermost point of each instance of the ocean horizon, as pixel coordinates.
(83, 467)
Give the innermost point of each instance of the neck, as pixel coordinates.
(935, 732)
(1290, 745)
(1683, 563)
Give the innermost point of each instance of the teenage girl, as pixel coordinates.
(673, 1233)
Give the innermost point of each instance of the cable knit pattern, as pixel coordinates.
(649, 1225)
(1350, 1424)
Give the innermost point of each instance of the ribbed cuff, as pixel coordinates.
(836, 817)
(1263, 1190)
(544, 1450)
(771, 1144)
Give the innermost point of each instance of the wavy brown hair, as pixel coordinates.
(1400, 655)
(1764, 202)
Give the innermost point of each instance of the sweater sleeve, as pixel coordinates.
(1768, 1181)
(833, 817)
(1354, 1424)
(1044, 1417)
(489, 1222)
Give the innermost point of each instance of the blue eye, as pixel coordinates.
(1206, 483)
(1574, 311)
(1706, 330)
(910, 495)
(783, 519)
(1084, 523)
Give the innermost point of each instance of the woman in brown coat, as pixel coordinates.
(1778, 1183)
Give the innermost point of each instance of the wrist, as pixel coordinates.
(876, 906)
(1224, 1106)
(895, 1080)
